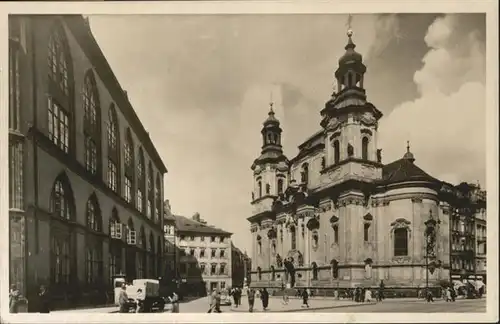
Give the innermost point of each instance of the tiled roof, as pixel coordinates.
(184, 224)
(404, 170)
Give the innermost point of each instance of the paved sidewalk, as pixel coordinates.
(295, 305)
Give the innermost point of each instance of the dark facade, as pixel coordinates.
(86, 182)
(241, 267)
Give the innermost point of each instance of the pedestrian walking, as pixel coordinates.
(44, 300)
(368, 296)
(251, 299)
(381, 290)
(430, 298)
(14, 296)
(305, 298)
(264, 296)
(448, 294)
(139, 300)
(123, 299)
(453, 294)
(174, 300)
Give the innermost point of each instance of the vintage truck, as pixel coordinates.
(150, 289)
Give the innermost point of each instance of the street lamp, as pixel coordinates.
(430, 235)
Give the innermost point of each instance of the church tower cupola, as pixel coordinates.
(409, 155)
(271, 134)
(351, 70)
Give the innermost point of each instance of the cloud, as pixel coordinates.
(201, 85)
(446, 123)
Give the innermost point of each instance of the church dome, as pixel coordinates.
(350, 55)
(409, 155)
(271, 119)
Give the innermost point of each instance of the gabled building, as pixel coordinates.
(335, 216)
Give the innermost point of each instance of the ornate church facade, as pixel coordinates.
(336, 217)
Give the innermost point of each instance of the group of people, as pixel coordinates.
(449, 294)
(364, 295)
(261, 294)
(236, 293)
(41, 304)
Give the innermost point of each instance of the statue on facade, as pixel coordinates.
(350, 150)
(279, 261)
(368, 271)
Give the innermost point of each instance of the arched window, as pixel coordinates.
(268, 188)
(113, 152)
(304, 174)
(260, 188)
(366, 232)
(158, 198)
(94, 220)
(364, 148)
(323, 162)
(293, 232)
(152, 256)
(14, 85)
(336, 151)
(142, 264)
(129, 166)
(91, 123)
(62, 199)
(60, 261)
(151, 191)
(60, 92)
(159, 252)
(400, 242)
(141, 178)
(259, 245)
(115, 245)
(336, 234)
(280, 186)
(94, 264)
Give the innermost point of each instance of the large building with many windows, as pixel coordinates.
(204, 255)
(86, 182)
(336, 217)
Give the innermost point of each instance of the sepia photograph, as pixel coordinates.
(248, 163)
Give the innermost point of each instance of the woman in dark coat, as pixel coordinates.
(44, 300)
(305, 298)
(264, 296)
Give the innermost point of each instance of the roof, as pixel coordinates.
(404, 170)
(184, 224)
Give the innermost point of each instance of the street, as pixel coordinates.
(331, 306)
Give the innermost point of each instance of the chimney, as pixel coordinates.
(196, 217)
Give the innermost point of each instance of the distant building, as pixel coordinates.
(481, 242)
(170, 245)
(205, 255)
(86, 181)
(241, 267)
(335, 216)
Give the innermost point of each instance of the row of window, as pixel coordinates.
(214, 269)
(400, 239)
(459, 264)
(213, 239)
(144, 195)
(192, 252)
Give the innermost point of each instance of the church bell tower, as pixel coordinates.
(350, 123)
(270, 169)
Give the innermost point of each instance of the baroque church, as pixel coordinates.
(335, 216)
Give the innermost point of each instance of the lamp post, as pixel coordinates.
(430, 236)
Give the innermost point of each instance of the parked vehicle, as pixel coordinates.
(150, 290)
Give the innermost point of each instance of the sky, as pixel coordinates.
(201, 85)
